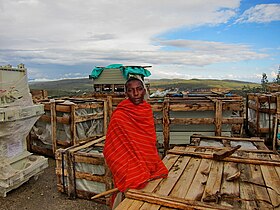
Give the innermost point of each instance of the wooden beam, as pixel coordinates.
(228, 138)
(172, 202)
(166, 125)
(228, 159)
(218, 117)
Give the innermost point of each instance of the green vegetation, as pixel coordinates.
(72, 87)
(67, 87)
(200, 84)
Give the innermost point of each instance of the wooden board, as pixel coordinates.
(195, 182)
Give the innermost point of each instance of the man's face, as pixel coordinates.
(135, 92)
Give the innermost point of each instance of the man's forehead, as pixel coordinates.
(134, 83)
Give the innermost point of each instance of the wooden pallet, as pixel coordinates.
(248, 179)
(81, 170)
(261, 109)
(70, 121)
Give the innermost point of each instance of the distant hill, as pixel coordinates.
(70, 87)
(200, 84)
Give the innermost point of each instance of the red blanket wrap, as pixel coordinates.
(130, 147)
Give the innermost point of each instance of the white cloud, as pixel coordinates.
(74, 24)
(72, 32)
(261, 13)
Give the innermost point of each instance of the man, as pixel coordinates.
(130, 147)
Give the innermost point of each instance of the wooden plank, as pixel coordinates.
(45, 118)
(261, 146)
(262, 196)
(191, 107)
(197, 186)
(272, 181)
(63, 120)
(53, 128)
(88, 144)
(128, 203)
(247, 194)
(275, 132)
(187, 121)
(70, 158)
(169, 161)
(88, 176)
(89, 105)
(168, 184)
(236, 120)
(212, 188)
(241, 150)
(73, 125)
(230, 185)
(80, 158)
(62, 108)
(175, 203)
(218, 117)
(182, 186)
(166, 126)
(229, 138)
(105, 116)
(236, 159)
(79, 119)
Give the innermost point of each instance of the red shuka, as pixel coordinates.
(130, 146)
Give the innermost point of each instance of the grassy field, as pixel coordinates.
(70, 87)
(200, 84)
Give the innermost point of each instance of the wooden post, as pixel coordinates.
(275, 132)
(247, 115)
(166, 125)
(276, 121)
(105, 116)
(269, 118)
(257, 115)
(53, 124)
(218, 117)
(70, 158)
(110, 106)
(73, 125)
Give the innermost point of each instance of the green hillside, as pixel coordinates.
(69, 87)
(201, 84)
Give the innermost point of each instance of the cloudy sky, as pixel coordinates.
(212, 39)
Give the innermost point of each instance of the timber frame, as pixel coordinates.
(260, 109)
(59, 114)
(217, 105)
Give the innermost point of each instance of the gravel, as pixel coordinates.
(42, 194)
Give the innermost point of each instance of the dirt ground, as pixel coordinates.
(42, 194)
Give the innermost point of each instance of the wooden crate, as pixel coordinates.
(38, 95)
(81, 170)
(261, 110)
(177, 119)
(248, 179)
(68, 122)
(273, 88)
